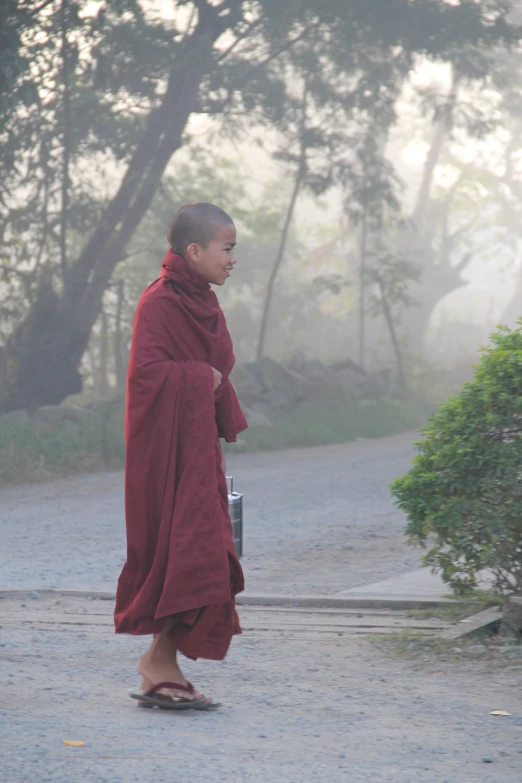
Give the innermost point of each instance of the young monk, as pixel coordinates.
(182, 573)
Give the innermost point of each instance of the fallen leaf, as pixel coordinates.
(74, 743)
(500, 712)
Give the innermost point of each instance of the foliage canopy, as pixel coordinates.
(95, 94)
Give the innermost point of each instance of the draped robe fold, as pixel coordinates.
(181, 561)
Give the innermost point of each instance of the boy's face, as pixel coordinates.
(215, 262)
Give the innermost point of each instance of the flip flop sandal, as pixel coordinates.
(208, 706)
(152, 698)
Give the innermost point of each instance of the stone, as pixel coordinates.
(325, 383)
(375, 384)
(248, 389)
(369, 385)
(477, 649)
(349, 375)
(284, 380)
(278, 400)
(348, 364)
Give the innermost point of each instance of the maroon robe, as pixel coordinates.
(181, 560)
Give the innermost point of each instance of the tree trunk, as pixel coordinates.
(439, 277)
(119, 364)
(45, 351)
(388, 317)
(66, 141)
(103, 386)
(362, 289)
(513, 310)
(442, 129)
(438, 281)
(277, 264)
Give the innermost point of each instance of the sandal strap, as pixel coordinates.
(176, 686)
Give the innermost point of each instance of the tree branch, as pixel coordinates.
(40, 7)
(273, 56)
(239, 38)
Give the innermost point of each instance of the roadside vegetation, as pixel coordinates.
(29, 452)
(463, 496)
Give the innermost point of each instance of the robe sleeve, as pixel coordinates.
(229, 416)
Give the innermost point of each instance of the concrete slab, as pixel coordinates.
(419, 589)
(415, 584)
(468, 626)
(367, 600)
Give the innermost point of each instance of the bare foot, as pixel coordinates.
(159, 664)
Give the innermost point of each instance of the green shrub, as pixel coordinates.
(28, 453)
(463, 496)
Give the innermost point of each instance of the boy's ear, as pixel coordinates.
(192, 252)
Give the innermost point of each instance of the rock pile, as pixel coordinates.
(267, 386)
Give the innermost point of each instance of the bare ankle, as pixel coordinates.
(161, 655)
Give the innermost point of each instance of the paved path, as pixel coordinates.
(317, 521)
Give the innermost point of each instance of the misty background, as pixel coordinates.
(368, 152)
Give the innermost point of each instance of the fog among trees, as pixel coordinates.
(368, 151)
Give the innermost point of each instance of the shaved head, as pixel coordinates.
(196, 223)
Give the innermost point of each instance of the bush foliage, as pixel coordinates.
(463, 496)
(29, 454)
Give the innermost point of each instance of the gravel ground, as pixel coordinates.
(295, 710)
(316, 521)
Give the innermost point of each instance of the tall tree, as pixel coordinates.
(132, 84)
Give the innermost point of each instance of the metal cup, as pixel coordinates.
(235, 508)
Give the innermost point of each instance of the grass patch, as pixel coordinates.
(320, 425)
(483, 646)
(30, 453)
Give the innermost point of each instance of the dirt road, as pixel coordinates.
(300, 705)
(302, 702)
(316, 521)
